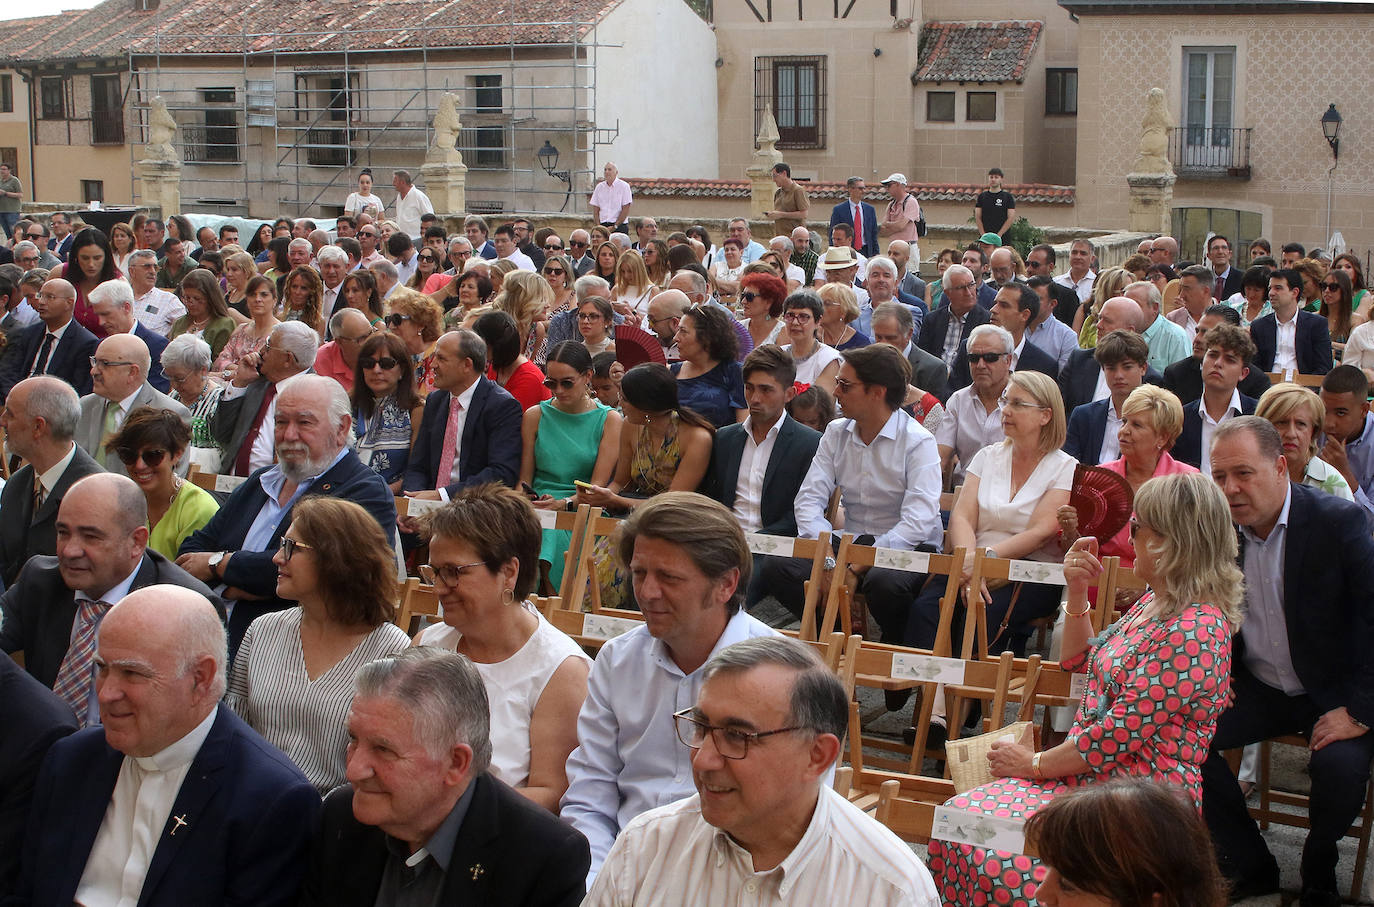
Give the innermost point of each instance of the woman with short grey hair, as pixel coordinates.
(186, 363)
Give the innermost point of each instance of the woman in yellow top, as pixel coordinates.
(149, 443)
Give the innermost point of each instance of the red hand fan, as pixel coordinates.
(1103, 499)
(635, 346)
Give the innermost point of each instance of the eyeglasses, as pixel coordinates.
(369, 362)
(290, 546)
(342, 339)
(963, 286)
(653, 321)
(797, 316)
(106, 363)
(566, 384)
(460, 253)
(449, 573)
(395, 318)
(589, 316)
(151, 458)
(1005, 401)
(729, 742)
(988, 358)
(845, 384)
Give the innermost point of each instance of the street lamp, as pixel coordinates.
(548, 159)
(1331, 129)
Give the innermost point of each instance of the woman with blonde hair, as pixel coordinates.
(1158, 680)
(1108, 284)
(527, 298)
(302, 298)
(1298, 415)
(1312, 272)
(497, 271)
(239, 268)
(841, 311)
(633, 288)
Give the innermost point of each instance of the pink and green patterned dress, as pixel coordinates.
(1153, 697)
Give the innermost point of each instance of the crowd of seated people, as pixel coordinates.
(238, 646)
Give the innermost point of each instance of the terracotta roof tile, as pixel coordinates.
(113, 28)
(976, 51)
(1030, 193)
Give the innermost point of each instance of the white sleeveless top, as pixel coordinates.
(513, 689)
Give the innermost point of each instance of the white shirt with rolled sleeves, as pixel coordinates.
(628, 758)
(410, 209)
(671, 856)
(890, 488)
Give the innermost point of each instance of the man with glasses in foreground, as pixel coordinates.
(765, 728)
(973, 414)
(690, 565)
(119, 371)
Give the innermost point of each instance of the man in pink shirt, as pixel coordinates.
(611, 200)
(902, 214)
(339, 357)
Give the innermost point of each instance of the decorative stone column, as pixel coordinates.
(1152, 177)
(760, 171)
(443, 173)
(159, 172)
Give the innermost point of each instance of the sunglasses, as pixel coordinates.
(566, 384)
(748, 295)
(988, 358)
(1331, 286)
(559, 271)
(369, 362)
(290, 546)
(394, 319)
(428, 258)
(588, 316)
(578, 245)
(151, 458)
(553, 248)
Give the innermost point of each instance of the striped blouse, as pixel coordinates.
(307, 719)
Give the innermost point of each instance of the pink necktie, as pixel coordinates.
(858, 228)
(73, 683)
(450, 444)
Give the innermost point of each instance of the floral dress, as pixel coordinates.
(383, 441)
(1154, 694)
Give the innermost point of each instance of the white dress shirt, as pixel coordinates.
(406, 269)
(1084, 287)
(753, 465)
(409, 210)
(330, 299)
(1111, 444)
(1286, 343)
(968, 427)
(1209, 427)
(32, 367)
(522, 261)
(628, 758)
(48, 480)
(671, 855)
(890, 488)
(136, 821)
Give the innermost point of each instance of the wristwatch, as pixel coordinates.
(215, 560)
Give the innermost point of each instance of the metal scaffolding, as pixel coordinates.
(267, 127)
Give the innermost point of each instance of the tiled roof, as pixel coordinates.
(976, 51)
(1029, 193)
(114, 27)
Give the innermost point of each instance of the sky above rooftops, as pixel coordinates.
(24, 9)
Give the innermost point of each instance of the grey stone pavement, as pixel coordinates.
(1289, 772)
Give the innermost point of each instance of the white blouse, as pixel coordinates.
(1000, 515)
(812, 366)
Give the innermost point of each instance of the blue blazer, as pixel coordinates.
(843, 214)
(490, 449)
(1328, 583)
(156, 344)
(69, 360)
(1087, 431)
(1078, 379)
(1188, 447)
(1313, 342)
(249, 816)
(793, 450)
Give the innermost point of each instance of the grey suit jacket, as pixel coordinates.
(91, 426)
(24, 533)
(233, 419)
(928, 372)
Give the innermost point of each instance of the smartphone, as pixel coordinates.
(581, 484)
(525, 487)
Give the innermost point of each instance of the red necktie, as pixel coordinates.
(858, 227)
(246, 451)
(450, 450)
(1221, 286)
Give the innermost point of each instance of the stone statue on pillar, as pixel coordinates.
(760, 169)
(159, 171)
(443, 173)
(1152, 176)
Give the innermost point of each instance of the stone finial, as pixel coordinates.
(162, 129)
(1153, 156)
(447, 126)
(766, 153)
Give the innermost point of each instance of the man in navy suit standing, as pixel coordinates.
(859, 216)
(1300, 662)
(174, 800)
(1291, 338)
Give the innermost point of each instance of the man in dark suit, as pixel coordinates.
(863, 228)
(893, 324)
(477, 441)
(882, 283)
(1300, 662)
(55, 345)
(113, 304)
(39, 420)
(235, 549)
(1123, 358)
(1040, 263)
(945, 331)
(1225, 280)
(1015, 306)
(174, 801)
(33, 719)
(1079, 380)
(1184, 377)
(1227, 360)
(1280, 344)
(757, 467)
(415, 785)
(242, 423)
(102, 555)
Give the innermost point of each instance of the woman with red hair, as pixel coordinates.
(761, 297)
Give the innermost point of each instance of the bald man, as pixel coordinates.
(54, 345)
(1081, 380)
(119, 386)
(665, 314)
(174, 800)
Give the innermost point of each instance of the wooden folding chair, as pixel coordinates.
(417, 600)
(1293, 377)
(593, 630)
(217, 484)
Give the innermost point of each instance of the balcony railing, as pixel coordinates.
(107, 127)
(1208, 153)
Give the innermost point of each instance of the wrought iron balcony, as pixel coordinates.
(107, 127)
(1202, 152)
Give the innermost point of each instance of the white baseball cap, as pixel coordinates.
(896, 178)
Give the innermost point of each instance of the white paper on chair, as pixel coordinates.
(897, 559)
(1036, 572)
(768, 544)
(548, 519)
(420, 506)
(927, 668)
(599, 626)
(978, 829)
(1078, 683)
(226, 484)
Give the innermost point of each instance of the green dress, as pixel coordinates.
(191, 509)
(565, 449)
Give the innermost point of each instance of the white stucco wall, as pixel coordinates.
(660, 81)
